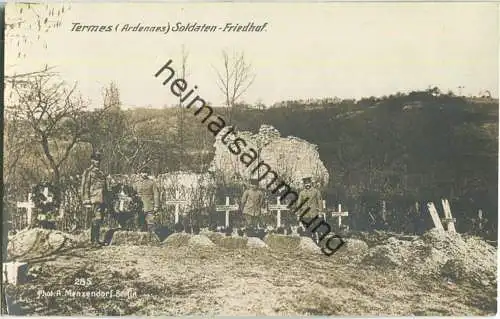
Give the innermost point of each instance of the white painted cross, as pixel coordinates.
(227, 208)
(177, 201)
(278, 207)
(340, 214)
(29, 205)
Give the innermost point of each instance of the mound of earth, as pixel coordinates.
(233, 242)
(133, 238)
(200, 241)
(254, 242)
(213, 236)
(307, 245)
(440, 254)
(282, 242)
(39, 242)
(375, 237)
(353, 250)
(177, 240)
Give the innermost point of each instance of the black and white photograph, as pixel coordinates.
(250, 159)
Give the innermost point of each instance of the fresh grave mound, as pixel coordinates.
(438, 253)
(213, 236)
(254, 242)
(351, 247)
(282, 242)
(375, 237)
(200, 241)
(39, 242)
(184, 240)
(233, 242)
(121, 237)
(177, 240)
(353, 250)
(307, 245)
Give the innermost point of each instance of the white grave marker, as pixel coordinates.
(278, 207)
(177, 201)
(14, 273)
(340, 214)
(227, 208)
(29, 206)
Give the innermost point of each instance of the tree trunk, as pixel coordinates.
(56, 174)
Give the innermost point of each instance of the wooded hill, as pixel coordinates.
(403, 148)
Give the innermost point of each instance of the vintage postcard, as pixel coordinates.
(250, 159)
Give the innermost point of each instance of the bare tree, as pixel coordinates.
(234, 78)
(53, 116)
(111, 97)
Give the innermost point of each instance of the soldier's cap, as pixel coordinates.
(145, 170)
(306, 180)
(96, 156)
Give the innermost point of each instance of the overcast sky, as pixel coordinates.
(347, 50)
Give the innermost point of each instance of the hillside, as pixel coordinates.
(401, 149)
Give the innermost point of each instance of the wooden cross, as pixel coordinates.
(29, 205)
(435, 216)
(340, 214)
(227, 208)
(278, 207)
(448, 218)
(176, 201)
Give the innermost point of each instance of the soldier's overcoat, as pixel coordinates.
(148, 192)
(252, 202)
(314, 203)
(94, 185)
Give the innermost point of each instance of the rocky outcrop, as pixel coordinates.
(290, 157)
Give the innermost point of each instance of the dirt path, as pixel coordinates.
(222, 282)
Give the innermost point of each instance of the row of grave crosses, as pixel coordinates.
(278, 208)
(226, 207)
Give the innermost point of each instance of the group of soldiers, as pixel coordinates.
(95, 191)
(96, 200)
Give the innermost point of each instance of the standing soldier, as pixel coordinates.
(252, 202)
(314, 202)
(478, 224)
(93, 191)
(147, 191)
